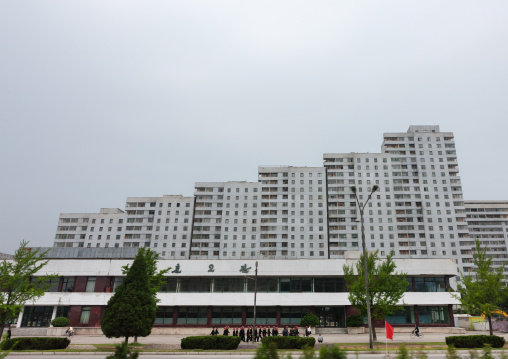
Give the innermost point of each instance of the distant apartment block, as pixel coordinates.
(296, 212)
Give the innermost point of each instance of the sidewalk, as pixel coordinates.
(328, 338)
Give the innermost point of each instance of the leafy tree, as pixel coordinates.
(155, 278)
(19, 283)
(482, 291)
(131, 310)
(309, 319)
(386, 287)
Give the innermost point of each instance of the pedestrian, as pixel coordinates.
(275, 331)
(213, 331)
(249, 334)
(269, 331)
(264, 332)
(226, 330)
(242, 334)
(320, 338)
(9, 333)
(285, 331)
(296, 332)
(256, 333)
(291, 332)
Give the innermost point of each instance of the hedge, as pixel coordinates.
(475, 341)
(211, 342)
(60, 322)
(355, 320)
(289, 342)
(35, 343)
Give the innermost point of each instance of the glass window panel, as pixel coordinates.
(433, 314)
(224, 285)
(164, 315)
(36, 316)
(67, 284)
(62, 311)
(85, 314)
(264, 315)
(265, 285)
(195, 285)
(90, 284)
(169, 285)
(404, 315)
(116, 284)
(284, 285)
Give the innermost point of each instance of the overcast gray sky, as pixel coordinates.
(101, 100)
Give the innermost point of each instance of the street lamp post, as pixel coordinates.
(361, 207)
(255, 291)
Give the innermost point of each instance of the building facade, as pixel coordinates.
(303, 212)
(488, 222)
(205, 293)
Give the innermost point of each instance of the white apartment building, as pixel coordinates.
(488, 222)
(283, 215)
(418, 211)
(302, 212)
(163, 224)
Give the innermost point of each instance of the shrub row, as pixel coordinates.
(60, 322)
(211, 342)
(355, 320)
(289, 342)
(475, 341)
(35, 343)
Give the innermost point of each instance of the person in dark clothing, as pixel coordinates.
(291, 332)
(9, 333)
(264, 332)
(275, 331)
(213, 332)
(256, 334)
(285, 332)
(242, 334)
(296, 332)
(249, 334)
(226, 330)
(268, 331)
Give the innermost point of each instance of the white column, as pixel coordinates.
(53, 316)
(20, 316)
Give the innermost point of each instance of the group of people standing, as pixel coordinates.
(254, 334)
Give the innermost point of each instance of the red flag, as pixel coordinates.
(389, 331)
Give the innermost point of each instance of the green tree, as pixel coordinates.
(483, 290)
(386, 287)
(155, 278)
(310, 320)
(131, 310)
(19, 283)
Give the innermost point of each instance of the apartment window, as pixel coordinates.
(90, 285)
(85, 315)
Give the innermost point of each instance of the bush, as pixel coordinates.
(475, 341)
(354, 320)
(289, 342)
(211, 342)
(60, 322)
(333, 352)
(310, 320)
(122, 351)
(35, 343)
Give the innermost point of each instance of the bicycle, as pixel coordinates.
(414, 335)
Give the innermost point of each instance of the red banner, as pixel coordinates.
(389, 331)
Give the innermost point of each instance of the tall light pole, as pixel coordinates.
(255, 291)
(361, 207)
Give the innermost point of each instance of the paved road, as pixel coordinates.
(220, 355)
